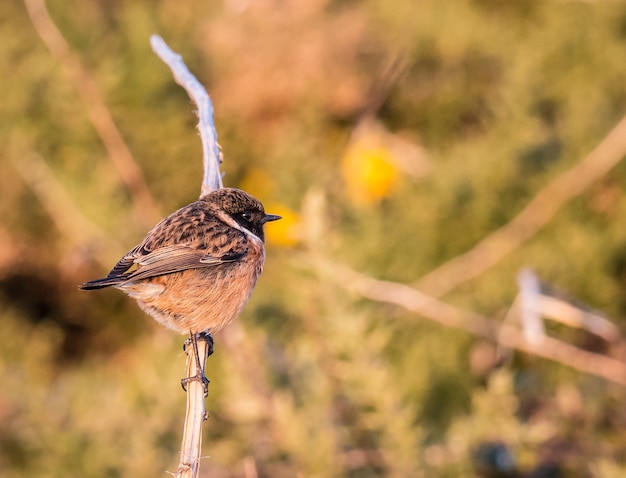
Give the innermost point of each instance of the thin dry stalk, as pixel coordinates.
(537, 213)
(211, 154)
(189, 466)
(195, 414)
(538, 304)
(565, 313)
(130, 173)
(530, 316)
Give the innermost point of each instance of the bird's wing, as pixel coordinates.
(189, 238)
(176, 258)
(165, 260)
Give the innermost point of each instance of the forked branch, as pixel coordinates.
(504, 334)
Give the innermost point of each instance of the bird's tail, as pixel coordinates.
(101, 283)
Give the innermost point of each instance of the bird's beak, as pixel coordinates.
(271, 217)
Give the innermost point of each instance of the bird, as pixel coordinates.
(196, 269)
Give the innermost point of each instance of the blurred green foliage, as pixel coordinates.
(500, 96)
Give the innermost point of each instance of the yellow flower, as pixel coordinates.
(285, 232)
(369, 172)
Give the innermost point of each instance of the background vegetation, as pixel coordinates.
(392, 136)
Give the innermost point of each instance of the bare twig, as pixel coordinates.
(195, 414)
(536, 304)
(448, 315)
(566, 313)
(537, 213)
(128, 170)
(530, 291)
(211, 154)
(189, 466)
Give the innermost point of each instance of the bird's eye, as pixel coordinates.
(247, 215)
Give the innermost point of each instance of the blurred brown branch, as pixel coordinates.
(537, 213)
(504, 334)
(61, 208)
(128, 170)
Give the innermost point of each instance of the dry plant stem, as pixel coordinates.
(566, 313)
(537, 213)
(446, 314)
(530, 317)
(195, 414)
(190, 454)
(542, 305)
(211, 155)
(128, 170)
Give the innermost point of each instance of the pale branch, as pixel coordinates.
(565, 313)
(195, 414)
(536, 215)
(530, 316)
(211, 154)
(129, 171)
(536, 304)
(504, 334)
(191, 446)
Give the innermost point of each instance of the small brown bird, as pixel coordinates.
(196, 269)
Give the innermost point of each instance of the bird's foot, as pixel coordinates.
(199, 376)
(193, 341)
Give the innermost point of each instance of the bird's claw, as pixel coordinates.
(199, 377)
